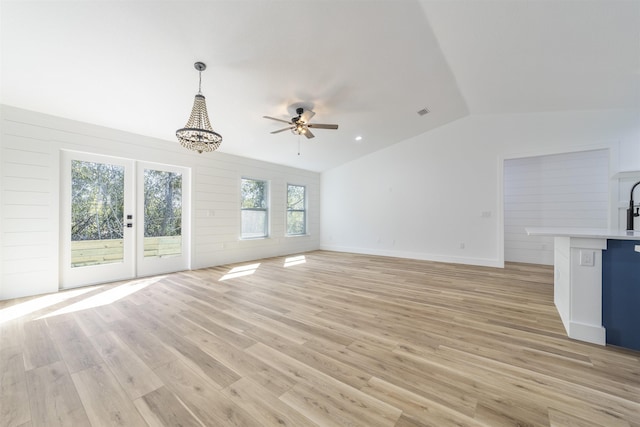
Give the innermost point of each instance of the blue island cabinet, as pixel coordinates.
(621, 293)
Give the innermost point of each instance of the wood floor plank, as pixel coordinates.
(53, 398)
(315, 331)
(340, 326)
(14, 396)
(504, 412)
(39, 349)
(245, 365)
(342, 372)
(444, 389)
(73, 345)
(201, 295)
(270, 326)
(318, 386)
(162, 408)
(324, 405)
(409, 421)
(203, 397)
(224, 320)
(109, 313)
(104, 400)
(12, 332)
(147, 346)
(211, 326)
(266, 408)
(186, 350)
(416, 406)
(90, 323)
(134, 376)
(561, 419)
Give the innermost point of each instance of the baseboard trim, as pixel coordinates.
(589, 333)
(483, 262)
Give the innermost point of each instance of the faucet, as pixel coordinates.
(630, 213)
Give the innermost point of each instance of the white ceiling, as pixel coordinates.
(367, 65)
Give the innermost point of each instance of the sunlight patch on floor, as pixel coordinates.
(39, 303)
(294, 260)
(244, 270)
(107, 297)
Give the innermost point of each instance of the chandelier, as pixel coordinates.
(197, 134)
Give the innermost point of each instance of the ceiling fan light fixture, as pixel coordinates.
(197, 134)
(300, 129)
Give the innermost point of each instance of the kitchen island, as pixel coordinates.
(597, 293)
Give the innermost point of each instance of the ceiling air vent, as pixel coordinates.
(423, 112)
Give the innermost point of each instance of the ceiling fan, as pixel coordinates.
(300, 125)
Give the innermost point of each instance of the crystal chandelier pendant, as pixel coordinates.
(197, 134)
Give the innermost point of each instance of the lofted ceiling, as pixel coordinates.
(367, 65)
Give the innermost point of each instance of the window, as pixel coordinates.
(255, 209)
(296, 210)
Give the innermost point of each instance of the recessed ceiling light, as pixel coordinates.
(358, 138)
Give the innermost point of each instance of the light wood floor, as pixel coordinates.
(336, 340)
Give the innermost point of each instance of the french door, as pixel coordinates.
(121, 219)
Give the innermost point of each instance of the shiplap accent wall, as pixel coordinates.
(563, 190)
(30, 186)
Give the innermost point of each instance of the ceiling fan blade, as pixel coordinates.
(308, 134)
(278, 120)
(322, 126)
(282, 130)
(306, 116)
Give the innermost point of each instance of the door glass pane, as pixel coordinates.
(97, 213)
(162, 213)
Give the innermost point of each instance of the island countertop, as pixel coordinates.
(593, 233)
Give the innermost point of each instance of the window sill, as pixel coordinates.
(249, 239)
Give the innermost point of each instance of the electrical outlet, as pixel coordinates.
(587, 258)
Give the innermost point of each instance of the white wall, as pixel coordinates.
(438, 196)
(559, 190)
(29, 197)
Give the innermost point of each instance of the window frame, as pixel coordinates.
(266, 198)
(304, 211)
